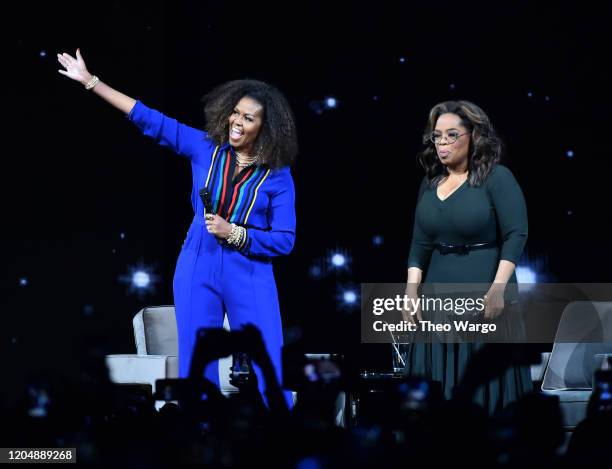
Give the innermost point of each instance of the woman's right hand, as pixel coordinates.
(413, 312)
(74, 67)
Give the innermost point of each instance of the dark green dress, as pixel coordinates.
(493, 212)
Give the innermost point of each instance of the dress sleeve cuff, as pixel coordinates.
(246, 242)
(136, 111)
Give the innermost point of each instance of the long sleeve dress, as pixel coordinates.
(494, 212)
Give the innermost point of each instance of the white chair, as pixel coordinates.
(156, 354)
(569, 371)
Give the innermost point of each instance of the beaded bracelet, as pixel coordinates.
(91, 83)
(237, 236)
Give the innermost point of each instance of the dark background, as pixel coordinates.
(76, 174)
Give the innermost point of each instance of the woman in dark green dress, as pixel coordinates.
(467, 200)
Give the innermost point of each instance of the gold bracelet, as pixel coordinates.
(91, 83)
(233, 236)
(237, 236)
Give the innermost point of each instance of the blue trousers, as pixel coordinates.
(210, 280)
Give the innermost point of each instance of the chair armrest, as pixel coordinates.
(141, 369)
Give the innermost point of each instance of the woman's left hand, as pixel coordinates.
(217, 226)
(494, 301)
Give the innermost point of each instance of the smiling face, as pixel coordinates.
(453, 155)
(245, 121)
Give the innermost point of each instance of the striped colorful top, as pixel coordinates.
(233, 199)
(258, 198)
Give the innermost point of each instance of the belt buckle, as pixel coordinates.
(461, 249)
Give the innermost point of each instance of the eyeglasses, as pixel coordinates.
(451, 137)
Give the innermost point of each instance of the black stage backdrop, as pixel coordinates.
(87, 201)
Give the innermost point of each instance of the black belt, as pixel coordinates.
(446, 248)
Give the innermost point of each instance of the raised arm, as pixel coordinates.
(166, 131)
(76, 69)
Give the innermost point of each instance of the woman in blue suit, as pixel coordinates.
(241, 162)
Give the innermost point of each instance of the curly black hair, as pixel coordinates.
(485, 149)
(277, 139)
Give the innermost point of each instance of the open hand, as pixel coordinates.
(74, 67)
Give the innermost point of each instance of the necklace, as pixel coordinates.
(243, 161)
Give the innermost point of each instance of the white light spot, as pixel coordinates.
(402, 60)
(43, 53)
(331, 102)
(569, 153)
(122, 235)
(452, 86)
(338, 260)
(141, 279)
(23, 282)
(349, 297)
(525, 274)
(529, 94)
(377, 240)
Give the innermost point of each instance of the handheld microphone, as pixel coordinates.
(206, 200)
(205, 196)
